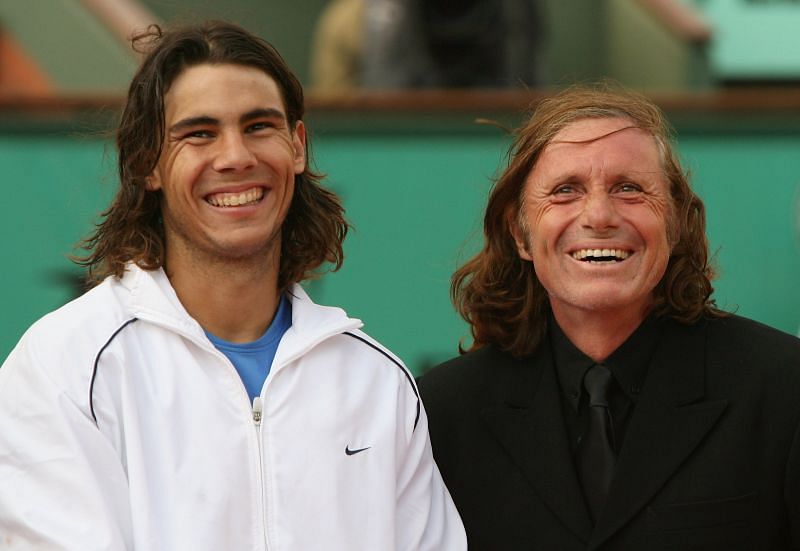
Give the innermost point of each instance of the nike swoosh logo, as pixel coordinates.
(348, 451)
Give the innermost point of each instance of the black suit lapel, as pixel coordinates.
(528, 422)
(669, 422)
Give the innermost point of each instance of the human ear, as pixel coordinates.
(153, 181)
(673, 227)
(299, 145)
(520, 235)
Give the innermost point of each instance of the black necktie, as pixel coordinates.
(596, 453)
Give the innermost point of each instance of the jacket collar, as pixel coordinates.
(311, 324)
(671, 419)
(528, 422)
(151, 298)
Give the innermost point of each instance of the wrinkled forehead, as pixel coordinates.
(612, 147)
(616, 136)
(591, 130)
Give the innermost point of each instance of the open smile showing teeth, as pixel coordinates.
(248, 197)
(600, 255)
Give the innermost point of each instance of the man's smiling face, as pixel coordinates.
(228, 164)
(594, 219)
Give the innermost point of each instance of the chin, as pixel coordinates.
(599, 302)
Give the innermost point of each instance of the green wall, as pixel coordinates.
(54, 186)
(415, 198)
(750, 185)
(754, 38)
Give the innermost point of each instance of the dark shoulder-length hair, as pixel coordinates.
(498, 293)
(131, 228)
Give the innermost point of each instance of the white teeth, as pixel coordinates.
(616, 255)
(250, 196)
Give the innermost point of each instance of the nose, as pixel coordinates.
(599, 212)
(233, 153)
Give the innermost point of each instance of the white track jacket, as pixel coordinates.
(122, 427)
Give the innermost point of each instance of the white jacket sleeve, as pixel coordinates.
(427, 519)
(62, 486)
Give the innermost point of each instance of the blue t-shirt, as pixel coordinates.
(253, 360)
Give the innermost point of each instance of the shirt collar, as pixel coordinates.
(571, 364)
(628, 363)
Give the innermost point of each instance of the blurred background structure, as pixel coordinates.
(412, 166)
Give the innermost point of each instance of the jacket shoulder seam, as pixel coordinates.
(399, 366)
(97, 362)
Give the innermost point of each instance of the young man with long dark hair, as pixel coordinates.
(196, 398)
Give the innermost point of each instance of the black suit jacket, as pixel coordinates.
(711, 457)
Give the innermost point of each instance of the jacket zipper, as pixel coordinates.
(258, 409)
(257, 406)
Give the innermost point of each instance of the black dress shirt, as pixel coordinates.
(628, 364)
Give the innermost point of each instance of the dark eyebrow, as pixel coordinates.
(192, 122)
(204, 120)
(261, 113)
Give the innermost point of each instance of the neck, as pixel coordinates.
(598, 334)
(234, 300)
